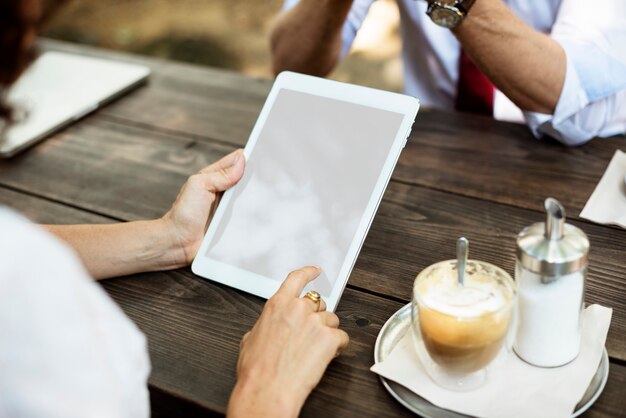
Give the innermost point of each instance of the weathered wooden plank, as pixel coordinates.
(198, 74)
(446, 151)
(464, 154)
(44, 211)
(194, 328)
(129, 173)
(190, 100)
(101, 165)
(180, 313)
(478, 157)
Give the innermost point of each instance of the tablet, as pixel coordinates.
(60, 88)
(317, 164)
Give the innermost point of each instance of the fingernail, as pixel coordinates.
(238, 156)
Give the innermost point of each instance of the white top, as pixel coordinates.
(592, 33)
(67, 350)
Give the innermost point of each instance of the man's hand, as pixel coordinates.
(286, 353)
(307, 37)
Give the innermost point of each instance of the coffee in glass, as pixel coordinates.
(460, 328)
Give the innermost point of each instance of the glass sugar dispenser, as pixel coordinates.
(550, 274)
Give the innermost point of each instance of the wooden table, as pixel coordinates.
(458, 175)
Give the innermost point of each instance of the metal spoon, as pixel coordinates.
(462, 248)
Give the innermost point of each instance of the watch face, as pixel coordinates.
(445, 16)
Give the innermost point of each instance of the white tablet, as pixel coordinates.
(317, 164)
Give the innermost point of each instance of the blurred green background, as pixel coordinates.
(231, 34)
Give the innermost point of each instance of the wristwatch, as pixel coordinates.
(448, 13)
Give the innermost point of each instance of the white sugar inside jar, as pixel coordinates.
(550, 275)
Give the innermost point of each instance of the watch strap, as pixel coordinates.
(465, 5)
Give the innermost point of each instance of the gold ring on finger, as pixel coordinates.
(314, 297)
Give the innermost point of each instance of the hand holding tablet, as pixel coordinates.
(318, 161)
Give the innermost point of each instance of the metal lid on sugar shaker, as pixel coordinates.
(553, 248)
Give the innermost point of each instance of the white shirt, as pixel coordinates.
(66, 349)
(592, 33)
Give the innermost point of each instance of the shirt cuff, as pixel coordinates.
(289, 4)
(571, 101)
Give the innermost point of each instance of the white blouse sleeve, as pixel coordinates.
(67, 349)
(593, 98)
(353, 23)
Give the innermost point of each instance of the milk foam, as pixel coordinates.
(479, 295)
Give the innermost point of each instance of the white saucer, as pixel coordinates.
(393, 331)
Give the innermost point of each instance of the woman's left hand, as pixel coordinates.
(170, 242)
(193, 208)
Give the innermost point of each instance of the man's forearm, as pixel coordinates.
(123, 248)
(526, 65)
(307, 38)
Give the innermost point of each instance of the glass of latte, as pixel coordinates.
(459, 328)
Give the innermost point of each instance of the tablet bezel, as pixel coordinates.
(259, 285)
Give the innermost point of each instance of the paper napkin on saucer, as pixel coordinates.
(514, 388)
(607, 204)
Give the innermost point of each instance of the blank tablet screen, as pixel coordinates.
(290, 209)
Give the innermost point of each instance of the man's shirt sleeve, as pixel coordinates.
(593, 97)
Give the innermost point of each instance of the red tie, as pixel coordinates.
(475, 92)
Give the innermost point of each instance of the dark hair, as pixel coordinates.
(14, 58)
(17, 18)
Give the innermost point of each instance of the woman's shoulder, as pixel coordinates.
(60, 323)
(24, 243)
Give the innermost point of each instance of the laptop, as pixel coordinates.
(60, 88)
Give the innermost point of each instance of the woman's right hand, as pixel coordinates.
(286, 353)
